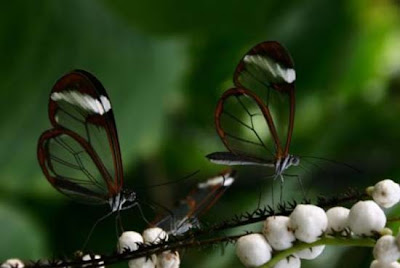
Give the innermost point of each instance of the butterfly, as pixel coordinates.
(80, 155)
(248, 117)
(198, 201)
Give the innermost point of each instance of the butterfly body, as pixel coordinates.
(283, 164)
(185, 215)
(118, 201)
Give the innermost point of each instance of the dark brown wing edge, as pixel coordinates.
(279, 53)
(272, 49)
(264, 109)
(200, 207)
(96, 89)
(43, 156)
(292, 103)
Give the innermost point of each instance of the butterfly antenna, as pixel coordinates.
(334, 162)
(186, 177)
(307, 169)
(313, 170)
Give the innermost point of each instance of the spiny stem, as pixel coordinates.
(327, 240)
(259, 215)
(144, 251)
(208, 236)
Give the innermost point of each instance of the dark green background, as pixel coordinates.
(165, 63)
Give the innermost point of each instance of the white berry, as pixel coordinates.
(168, 259)
(12, 263)
(386, 193)
(253, 250)
(337, 219)
(141, 263)
(366, 217)
(378, 264)
(129, 240)
(310, 253)
(278, 233)
(386, 249)
(309, 222)
(154, 235)
(398, 239)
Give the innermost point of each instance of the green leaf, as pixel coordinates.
(20, 236)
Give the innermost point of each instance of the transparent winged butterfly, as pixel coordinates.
(254, 118)
(185, 215)
(80, 155)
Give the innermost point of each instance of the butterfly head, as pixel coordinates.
(294, 160)
(129, 195)
(123, 200)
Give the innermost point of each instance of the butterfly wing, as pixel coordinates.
(81, 156)
(268, 71)
(245, 126)
(196, 203)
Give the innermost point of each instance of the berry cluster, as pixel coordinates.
(309, 224)
(131, 240)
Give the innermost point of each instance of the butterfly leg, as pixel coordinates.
(119, 222)
(300, 182)
(141, 213)
(301, 186)
(263, 188)
(259, 199)
(119, 229)
(154, 206)
(93, 227)
(272, 193)
(171, 215)
(281, 194)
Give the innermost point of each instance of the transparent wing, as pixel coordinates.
(72, 167)
(245, 126)
(80, 106)
(268, 71)
(196, 203)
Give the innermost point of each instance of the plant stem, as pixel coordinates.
(327, 240)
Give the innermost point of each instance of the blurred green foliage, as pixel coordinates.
(165, 63)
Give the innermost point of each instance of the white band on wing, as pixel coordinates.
(271, 66)
(227, 181)
(84, 101)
